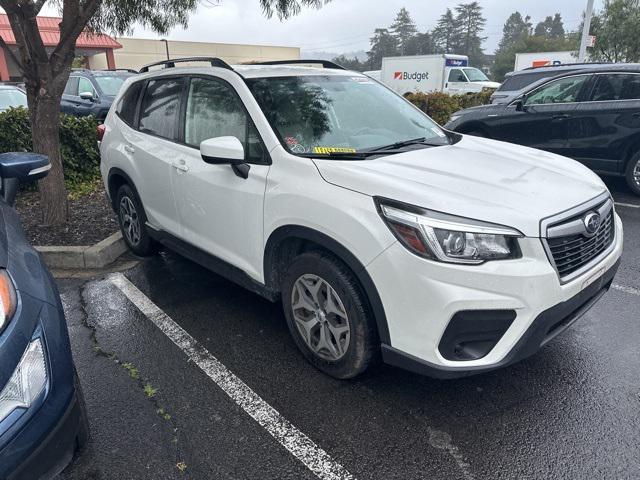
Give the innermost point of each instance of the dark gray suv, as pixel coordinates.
(91, 92)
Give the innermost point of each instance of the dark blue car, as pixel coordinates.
(42, 416)
(91, 92)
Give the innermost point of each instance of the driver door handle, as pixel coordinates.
(557, 118)
(181, 166)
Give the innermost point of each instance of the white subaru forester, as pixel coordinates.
(383, 235)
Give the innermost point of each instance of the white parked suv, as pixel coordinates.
(383, 235)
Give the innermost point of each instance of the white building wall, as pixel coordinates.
(138, 52)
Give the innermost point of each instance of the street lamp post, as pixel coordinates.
(166, 46)
(585, 31)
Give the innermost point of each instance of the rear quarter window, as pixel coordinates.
(518, 82)
(128, 104)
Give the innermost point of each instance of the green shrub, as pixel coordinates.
(78, 143)
(440, 106)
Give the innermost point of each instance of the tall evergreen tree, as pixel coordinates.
(383, 44)
(403, 29)
(469, 18)
(551, 27)
(420, 44)
(446, 34)
(515, 28)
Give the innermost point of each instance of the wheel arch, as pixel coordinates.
(287, 241)
(115, 180)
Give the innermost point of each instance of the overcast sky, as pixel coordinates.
(347, 25)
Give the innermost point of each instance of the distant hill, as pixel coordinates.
(317, 55)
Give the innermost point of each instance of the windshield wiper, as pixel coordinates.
(406, 143)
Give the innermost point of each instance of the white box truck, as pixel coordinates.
(544, 59)
(433, 73)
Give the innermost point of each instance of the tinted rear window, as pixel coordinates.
(127, 106)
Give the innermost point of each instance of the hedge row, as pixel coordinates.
(440, 106)
(78, 143)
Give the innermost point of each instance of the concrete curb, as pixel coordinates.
(97, 256)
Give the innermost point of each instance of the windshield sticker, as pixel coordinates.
(438, 132)
(328, 150)
(298, 148)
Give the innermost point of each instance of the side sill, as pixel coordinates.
(213, 263)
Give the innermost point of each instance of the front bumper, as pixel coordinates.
(421, 298)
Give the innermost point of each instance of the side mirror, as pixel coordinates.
(225, 150)
(87, 96)
(17, 168)
(521, 104)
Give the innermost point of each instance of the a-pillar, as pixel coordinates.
(4, 68)
(111, 60)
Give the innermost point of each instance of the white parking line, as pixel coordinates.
(626, 289)
(296, 442)
(628, 205)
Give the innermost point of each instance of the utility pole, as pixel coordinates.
(585, 31)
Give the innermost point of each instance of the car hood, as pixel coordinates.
(475, 178)
(489, 84)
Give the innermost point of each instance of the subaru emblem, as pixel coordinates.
(592, 223)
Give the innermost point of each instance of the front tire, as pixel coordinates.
(633, 174)
(132, 221)
(328, 315)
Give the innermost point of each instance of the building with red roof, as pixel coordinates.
(87, 45)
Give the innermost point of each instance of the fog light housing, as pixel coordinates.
(28, 381)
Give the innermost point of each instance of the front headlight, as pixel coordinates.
(447, 238)
(28, 381)
(7, 299)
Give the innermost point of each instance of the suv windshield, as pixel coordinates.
(110, 85)
(475, 75)
(340, 114)
(12, 98)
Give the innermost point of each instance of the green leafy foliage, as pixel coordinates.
(440, 106)
(78, 144)
(616, 31)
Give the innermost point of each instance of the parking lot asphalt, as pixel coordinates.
(188, 376)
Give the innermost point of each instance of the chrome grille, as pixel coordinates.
(570, 245)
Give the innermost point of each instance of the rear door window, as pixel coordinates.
(72, 87)
(612, 87)
(160, 108)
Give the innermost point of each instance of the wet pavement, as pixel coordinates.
(572, 411)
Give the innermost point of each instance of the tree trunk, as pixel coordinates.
(44, 109)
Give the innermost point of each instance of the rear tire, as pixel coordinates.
(633, 174)
(132, 221)
(328, 315)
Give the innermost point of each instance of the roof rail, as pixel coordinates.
(577, 64)
(324, 63)
(214, 61)
(129, 70)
